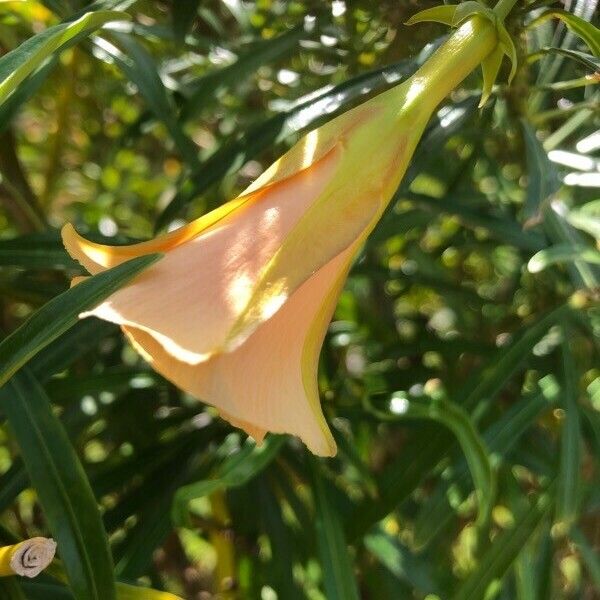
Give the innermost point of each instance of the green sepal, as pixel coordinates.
(508, 48)
(490, 67)
(437, 14)
(451, 14)
(454, 15)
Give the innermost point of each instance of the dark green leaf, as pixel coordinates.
(184, 14)
(402, 563)
(456, 419)
(543, 178)
(36, 251)
(236, 470)
(504, 550)
(139, 67)
(589, 61)
(493, 377)
(569, 477)
(336, 564)
(61, 313)
(208, 88)
(65, 494)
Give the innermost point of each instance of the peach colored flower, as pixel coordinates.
(236, 311)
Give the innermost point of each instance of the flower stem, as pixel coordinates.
(503, 8)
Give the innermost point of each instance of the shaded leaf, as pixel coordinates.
(66, 497)
(61, 313)
(569, 473)
(338, 576)
(543, 180)
(401, 562)
(504, 550)
(236, 470)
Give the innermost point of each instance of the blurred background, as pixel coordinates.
(460, 374)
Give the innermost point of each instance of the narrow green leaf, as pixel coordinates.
(20, 62)
(151, 503)
(562, 253)
(37, 590)
(544, 563)
(588, 553)
(586, 218)
(63, 489)
(208, 89)
(502, 229)
(543, 180)
(336, 564)
(400, 479)
(504, 550)
(236, 470)
(348, 451)
(61, 313)
(559, 231)
(35, 251)
(280, 570)
(508, 47)
(12, 483)
(490, 67)
(138, 66)
(581, 28)
(402, 563)
(525, 572)
(436, 14)
(68, 347)
(569, 474)
(130, 592)
(501, 437)
(493, 377)
(301, 117)
(184, 14)
(587, 60)
(456, 419)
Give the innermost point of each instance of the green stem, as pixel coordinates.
(452, 62)
(503, 8)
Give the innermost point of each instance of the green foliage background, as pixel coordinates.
(460, 374)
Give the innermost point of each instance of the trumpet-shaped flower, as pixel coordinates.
(236, 311)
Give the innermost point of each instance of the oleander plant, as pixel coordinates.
(299, 300)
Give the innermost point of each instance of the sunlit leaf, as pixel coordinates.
(17, 64)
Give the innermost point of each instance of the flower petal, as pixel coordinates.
(189, 300)
(366, 178)
(269, 383)
(98, 257)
